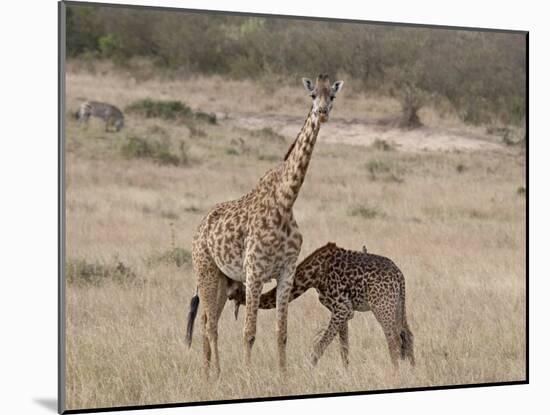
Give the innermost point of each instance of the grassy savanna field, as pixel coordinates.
(451, 216)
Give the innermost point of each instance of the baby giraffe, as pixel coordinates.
(349, 281)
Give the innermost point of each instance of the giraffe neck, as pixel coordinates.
(297, 161)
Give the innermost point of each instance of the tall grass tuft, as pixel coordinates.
(157, 150)
(167, 110)
(81, 272)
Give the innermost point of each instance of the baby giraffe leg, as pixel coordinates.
(340, 315)
(387, 321)
(344, 344)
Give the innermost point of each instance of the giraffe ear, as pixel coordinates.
(308, 85)
(337, 86)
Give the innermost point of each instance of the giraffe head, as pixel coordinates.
(322, 93)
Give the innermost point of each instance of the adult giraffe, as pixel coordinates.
(255, 238)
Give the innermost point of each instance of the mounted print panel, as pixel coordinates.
(263, 207)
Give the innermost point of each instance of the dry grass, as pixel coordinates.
(457, 233)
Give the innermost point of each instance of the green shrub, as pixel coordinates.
(157, 150)
(82, 272)
(268, 133)
(365, 212)
(174, 256)
(269, 157)
(206, 117)
(480, 74)
(193, 209)
(195, 131)
(110, 45)
(382, 145)
(168, 110)
(137, 147)
(376, 167)
(383, 170)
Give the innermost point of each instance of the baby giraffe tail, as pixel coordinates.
(193, 309)
(407, 350)
(405, 334)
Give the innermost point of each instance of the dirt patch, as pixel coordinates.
(362, 133)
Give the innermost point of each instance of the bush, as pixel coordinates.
(111, 47)
(268, 133)
(381, 170)
(269, 157)
(172, 110)
(382, 145)
(365, 212)
(232, 151)
(174, 256)
(82, 272)
(412, 101)
(205, 117)
(480, 73)
(168, 110)
(159, 151)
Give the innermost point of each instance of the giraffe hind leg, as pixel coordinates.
(206, 351)
(390, 328)
(210, 282)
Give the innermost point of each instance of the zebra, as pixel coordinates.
(107, 112)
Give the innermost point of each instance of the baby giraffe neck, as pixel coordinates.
(308, 275)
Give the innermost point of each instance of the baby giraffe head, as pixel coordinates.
(236, 291)
(322, 93)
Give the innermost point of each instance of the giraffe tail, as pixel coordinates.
(193, 309)
(407, 344)
(405, 334)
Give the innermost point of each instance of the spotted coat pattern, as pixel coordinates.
(349, 281)
(255, 239)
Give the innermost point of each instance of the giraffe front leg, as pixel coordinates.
(344, 344)
(340, 315)
(284, 287)
(253, 293)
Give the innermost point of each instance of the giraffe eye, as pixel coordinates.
(332, 98)
(313, 96)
